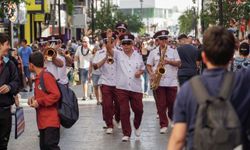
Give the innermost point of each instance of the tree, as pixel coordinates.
(187, 21)
(232, 10)
(109, 15)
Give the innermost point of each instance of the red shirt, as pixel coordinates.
(47, 113)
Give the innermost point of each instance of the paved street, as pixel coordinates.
(87, 134)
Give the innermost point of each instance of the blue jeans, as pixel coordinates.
(145, 77)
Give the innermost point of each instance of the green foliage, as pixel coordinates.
(109, 15)
(231, 10)
(70, 6)
(187, 21)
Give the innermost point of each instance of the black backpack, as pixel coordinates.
(217, 125)
(68, 105)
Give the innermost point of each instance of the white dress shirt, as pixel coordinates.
(108, 71)
(169, 79)
(62, 72)
(126, 69)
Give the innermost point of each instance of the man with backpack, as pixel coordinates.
(46, 104)
(211, 110)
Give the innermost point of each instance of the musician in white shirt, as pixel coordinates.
(107, 82)
(129, 69)
(165, 94)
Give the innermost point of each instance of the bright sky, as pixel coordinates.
(181, 4)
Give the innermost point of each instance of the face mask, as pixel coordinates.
(5, 59)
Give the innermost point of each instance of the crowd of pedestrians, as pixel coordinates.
(120, 69)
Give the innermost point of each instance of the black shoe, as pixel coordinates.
(31, 90)
(99, 103)
(84, 99)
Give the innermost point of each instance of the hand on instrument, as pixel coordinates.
(4, 89)
(152, 76)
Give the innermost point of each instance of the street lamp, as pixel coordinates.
(220, 3)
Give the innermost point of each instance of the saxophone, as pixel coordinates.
(159, 71)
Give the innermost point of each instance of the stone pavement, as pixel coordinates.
(87, 133)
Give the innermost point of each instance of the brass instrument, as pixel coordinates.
(50, 53)
(160, 70)
(67, 53)
(110, 59)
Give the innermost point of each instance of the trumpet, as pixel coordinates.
(50, 53)
(67, 53)
(110, 60)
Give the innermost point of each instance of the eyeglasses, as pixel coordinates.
(126, 43)
(163, 38)
(122, 30)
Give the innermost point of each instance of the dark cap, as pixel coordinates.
(244, 47)
(121, 25)
(127, 37)
(162, 33)
(182, 36)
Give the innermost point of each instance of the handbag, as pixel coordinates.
(19, 122)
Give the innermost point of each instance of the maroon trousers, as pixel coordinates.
(110, 105)
(133, 99)
(165, 97)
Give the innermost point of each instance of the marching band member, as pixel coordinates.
(107, 65)
(52, 61)
(129, 69)
(67, 62)
(162, 65)
(121, 29)
(82, 60)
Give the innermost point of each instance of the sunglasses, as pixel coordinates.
(122, 30)
(163, 38)
(126, 43)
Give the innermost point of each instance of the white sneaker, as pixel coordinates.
(157, 116)
(117, 124)
(125, 138)
(109, 131)
(138, 132)
(163, 130)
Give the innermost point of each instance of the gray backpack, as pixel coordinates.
(217, 125)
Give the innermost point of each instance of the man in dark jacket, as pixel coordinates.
(9, 83)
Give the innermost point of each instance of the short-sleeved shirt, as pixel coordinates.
(108, 71)
(188, 55)
(84, 55)
(186, 106)
(95, 59)
(52, 68)
(169, 79)
(126, 69)
(25, 55)
(62, 71)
